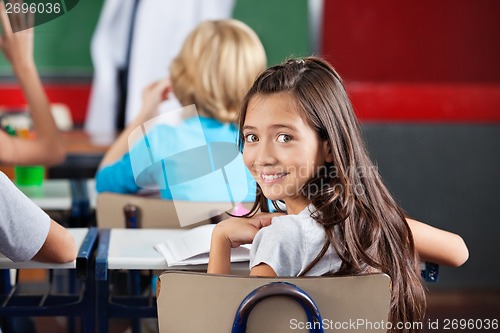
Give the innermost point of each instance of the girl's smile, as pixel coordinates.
(271, 178)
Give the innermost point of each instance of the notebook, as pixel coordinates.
(193, 247)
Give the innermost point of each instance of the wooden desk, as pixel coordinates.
(81, 298)
(83, 155)
(80, 142)
(80, 147)
(133, 249)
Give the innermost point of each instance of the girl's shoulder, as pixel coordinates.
(288, 222)
(283, 231)
(300, 222)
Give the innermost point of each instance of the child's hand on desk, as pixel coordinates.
(17, 46)
(237, 231)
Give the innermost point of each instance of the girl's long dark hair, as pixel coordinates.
(361, 219)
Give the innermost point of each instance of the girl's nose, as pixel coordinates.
(265, 154)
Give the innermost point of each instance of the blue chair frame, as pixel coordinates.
(134, 306)
(79, 303)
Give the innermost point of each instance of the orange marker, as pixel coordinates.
(23, 133)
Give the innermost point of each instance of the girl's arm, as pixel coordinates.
(59, 246)
(263, 270)
(47, 148)
(232, 233)
(153, 95)
(438, 246)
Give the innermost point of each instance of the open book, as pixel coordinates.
(193, 247)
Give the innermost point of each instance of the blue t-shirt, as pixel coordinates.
(197, 160)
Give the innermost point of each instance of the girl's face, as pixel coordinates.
(281, 150)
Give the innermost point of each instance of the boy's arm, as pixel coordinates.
(153, 95)
(438, 246)
(59, 246)
(48, 147)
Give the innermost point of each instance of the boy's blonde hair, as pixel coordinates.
(216, 66)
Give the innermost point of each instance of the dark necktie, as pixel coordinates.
(123, 75)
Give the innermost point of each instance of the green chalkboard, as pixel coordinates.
(62, 46)
(282, 26)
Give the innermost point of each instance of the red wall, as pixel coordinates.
(75, 96)
(423, 60)
(450, 103)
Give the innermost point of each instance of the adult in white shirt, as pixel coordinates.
(160, 28)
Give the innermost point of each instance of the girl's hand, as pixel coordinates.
(17, 46)
(232, 233)
(237, 231)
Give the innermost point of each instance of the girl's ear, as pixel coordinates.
(327, 151)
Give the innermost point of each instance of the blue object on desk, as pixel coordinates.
(431, 272)
(131, 213)
(80, 203)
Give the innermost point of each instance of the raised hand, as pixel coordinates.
(17, 46)
(47, 148)
(153, 95)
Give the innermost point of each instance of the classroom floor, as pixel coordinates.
(447, 308)
(443, 308)
(58, 325)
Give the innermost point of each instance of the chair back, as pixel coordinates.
(198, 302)
(154, 212)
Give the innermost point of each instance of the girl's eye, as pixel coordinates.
(283, 138)
(251, 138)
